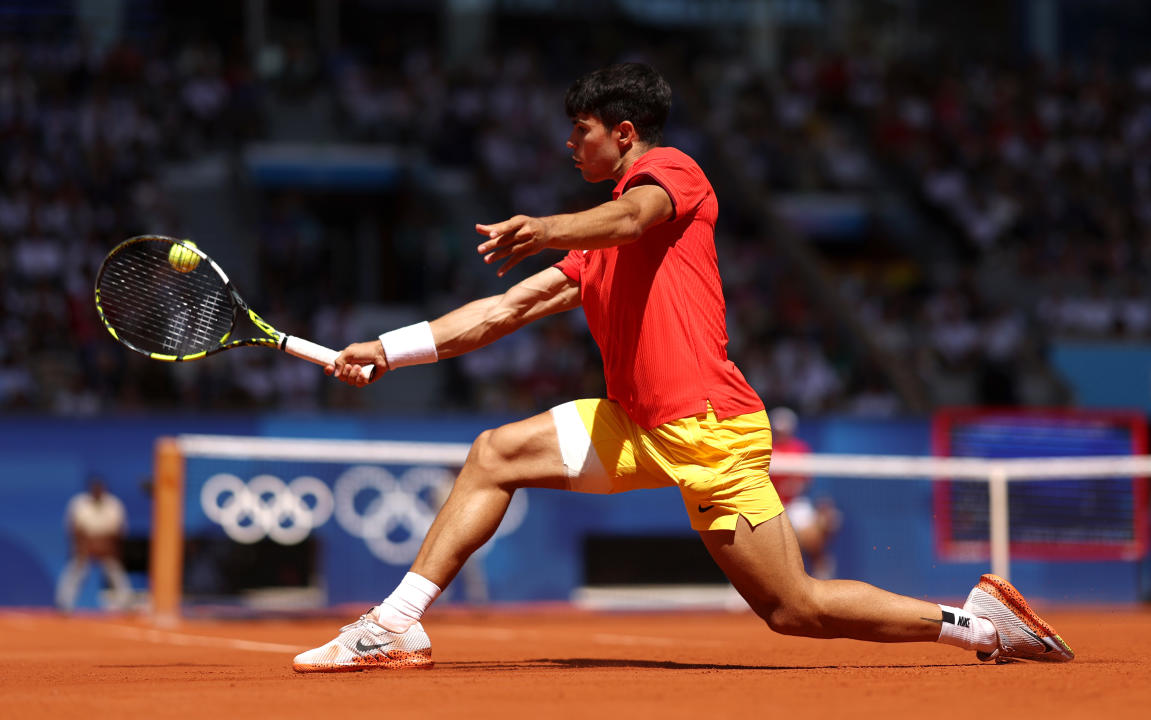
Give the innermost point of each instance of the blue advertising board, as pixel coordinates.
(371, 514)
(1106, 374)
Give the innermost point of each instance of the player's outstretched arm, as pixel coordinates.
(618, 222)
(462, 330)
(484, 321)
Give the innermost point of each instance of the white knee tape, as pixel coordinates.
(581, 462)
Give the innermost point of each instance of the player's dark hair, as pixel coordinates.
(628, 91)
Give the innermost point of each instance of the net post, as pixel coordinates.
(999, 522)
(167, 553)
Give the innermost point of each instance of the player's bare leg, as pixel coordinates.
(522, 454)
(519, 455)
(765, 566)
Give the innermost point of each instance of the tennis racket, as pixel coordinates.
(166, 299)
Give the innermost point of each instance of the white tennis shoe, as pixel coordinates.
(1023, 635)
(365, 645)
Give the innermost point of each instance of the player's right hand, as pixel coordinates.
(512, 240)
(349, 364)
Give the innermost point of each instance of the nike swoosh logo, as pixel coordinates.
(1046, 648)
(703, 508)
(360, 646)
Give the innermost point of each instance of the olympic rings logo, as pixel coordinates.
(391, 515)
(266, 507)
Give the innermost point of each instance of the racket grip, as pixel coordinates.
(312, 352)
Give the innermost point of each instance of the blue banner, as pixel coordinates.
(364, 520)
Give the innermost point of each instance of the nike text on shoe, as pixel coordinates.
(1023, 635)
(364, 645)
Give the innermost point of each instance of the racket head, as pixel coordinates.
(158, 300)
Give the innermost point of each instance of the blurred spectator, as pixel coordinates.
(96, 524)
(1036, 177)
(815, 521)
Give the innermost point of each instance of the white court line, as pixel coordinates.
(168, 637)
(16, 617)
(163, 637)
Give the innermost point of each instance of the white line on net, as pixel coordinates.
(912, 467)
(876, 466)
(320, 450)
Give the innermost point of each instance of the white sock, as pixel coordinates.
(962, 629)
(407, 603)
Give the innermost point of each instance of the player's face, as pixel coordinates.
(594, 148)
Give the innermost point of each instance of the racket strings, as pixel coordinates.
(159, 309)
(168, 323)
(165, 323)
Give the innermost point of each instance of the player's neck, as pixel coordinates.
(628, 158)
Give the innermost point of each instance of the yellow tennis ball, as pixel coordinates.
(182, 259)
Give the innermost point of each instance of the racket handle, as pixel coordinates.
(318, 354)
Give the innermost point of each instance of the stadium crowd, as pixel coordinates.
(86, 135)
(1036, 181)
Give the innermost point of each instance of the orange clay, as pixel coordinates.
(560, 663)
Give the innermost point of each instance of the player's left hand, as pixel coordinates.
(513, 239)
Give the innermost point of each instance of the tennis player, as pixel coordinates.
(678, 411)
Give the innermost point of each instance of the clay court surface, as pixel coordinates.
(558, 663)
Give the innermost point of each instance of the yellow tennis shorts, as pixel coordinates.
(720, 466)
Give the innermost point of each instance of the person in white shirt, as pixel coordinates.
(96, 524)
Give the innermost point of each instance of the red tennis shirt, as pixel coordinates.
(655, 306)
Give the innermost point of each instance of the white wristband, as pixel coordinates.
(411, 345)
